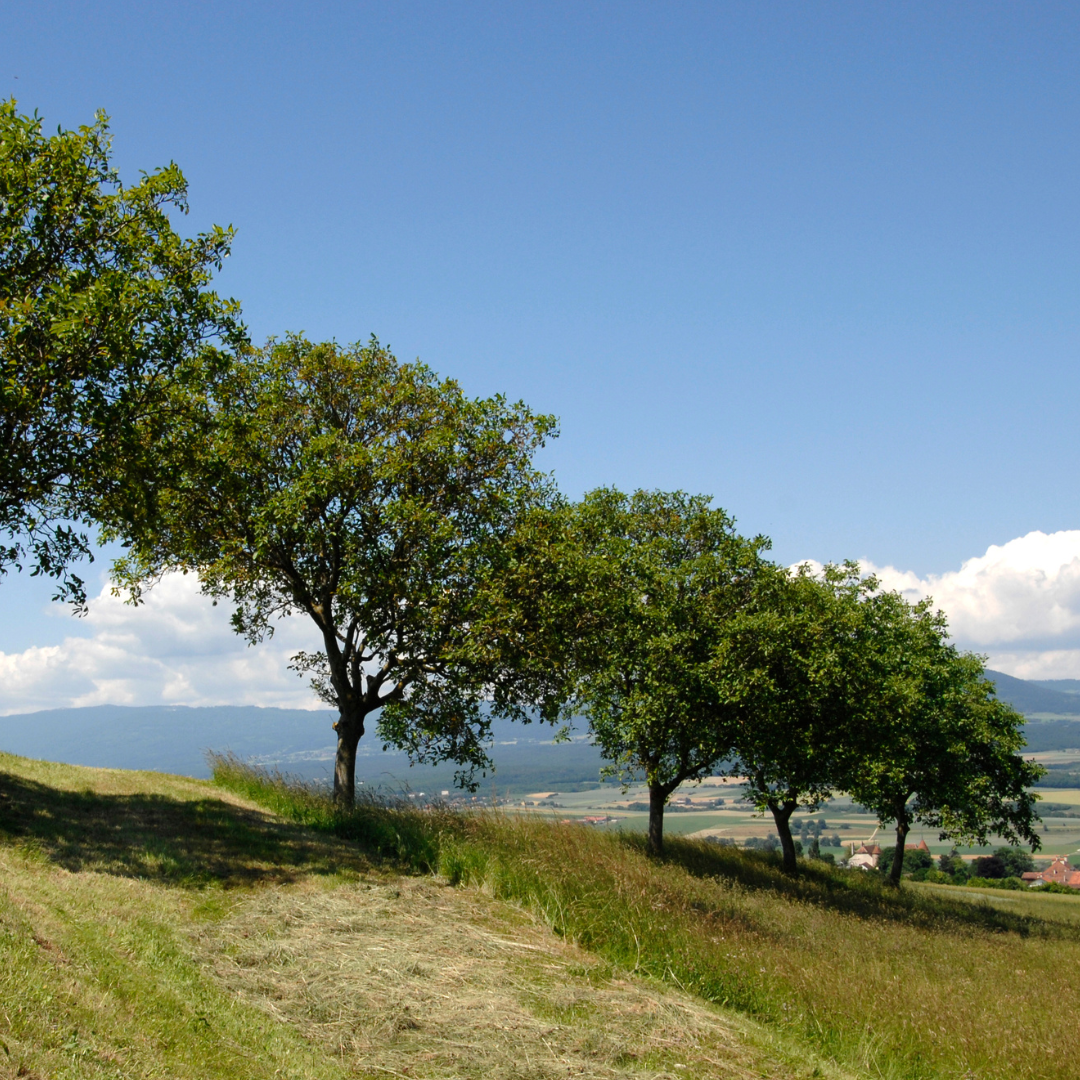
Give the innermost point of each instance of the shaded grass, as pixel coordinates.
(155, 827)
(102, 873)
(906, 983)
(1044, 911)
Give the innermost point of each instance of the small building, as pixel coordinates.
(1059, 872)
(866, 857)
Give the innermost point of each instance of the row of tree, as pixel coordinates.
(690, 651)
(448, 580)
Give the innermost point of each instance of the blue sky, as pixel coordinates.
(818, 260)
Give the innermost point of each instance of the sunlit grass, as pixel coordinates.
(155, 926)
(909, 983)
(159, 926)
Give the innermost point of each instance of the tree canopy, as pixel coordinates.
(380, 502)
(787, 661)
(101, 301)
(939, 747)
(658, 576)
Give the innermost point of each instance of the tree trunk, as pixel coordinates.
(902, 828)
(658, 795)
(781, 813)
(349, 731)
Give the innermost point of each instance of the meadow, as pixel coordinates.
(158, 926)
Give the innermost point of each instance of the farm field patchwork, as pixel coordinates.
(692, 813)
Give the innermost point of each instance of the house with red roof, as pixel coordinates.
(1059, 872)
(866, 857)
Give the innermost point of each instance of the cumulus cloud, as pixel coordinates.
(175, 649)
(1019, 603)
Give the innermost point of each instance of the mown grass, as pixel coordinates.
(155, 926)
(102, 875)
(898, 984)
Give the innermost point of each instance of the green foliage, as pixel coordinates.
(657, 576)
(786, 662)
(101, 304)
(995, 882)
(989, 866)
(382, 503)
(913, 860)
(762, 843)
(935, 877)
(1016, 860)
(954, 866)
(939, 748)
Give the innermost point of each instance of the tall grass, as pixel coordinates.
(900, 984)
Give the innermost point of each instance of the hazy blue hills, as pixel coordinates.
(1049, 696)
(1066, 686)
(174, 738)
(167, 738)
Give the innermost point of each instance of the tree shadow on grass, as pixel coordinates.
(188, 842)
(851, 892)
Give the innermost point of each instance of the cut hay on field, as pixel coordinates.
(420, 979)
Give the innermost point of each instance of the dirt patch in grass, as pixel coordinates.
(418, 979)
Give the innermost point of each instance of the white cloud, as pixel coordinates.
(177, 648)
(1019, 603)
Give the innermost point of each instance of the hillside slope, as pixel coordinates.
(1033, 697)
(164, 927)
(156, 926)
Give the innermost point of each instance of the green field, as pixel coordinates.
(1032, 903)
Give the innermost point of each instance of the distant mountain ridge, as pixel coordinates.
(1027, 696)
(174, 739)
(167, 738)
(1066, 686)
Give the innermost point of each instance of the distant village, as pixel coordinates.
(1059, 872)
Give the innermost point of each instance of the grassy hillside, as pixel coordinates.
(158, 926)
(909, 983)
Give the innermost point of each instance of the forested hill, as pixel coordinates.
(1052, 708)
(166, 738)
(1056, 696)
(174, 739)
